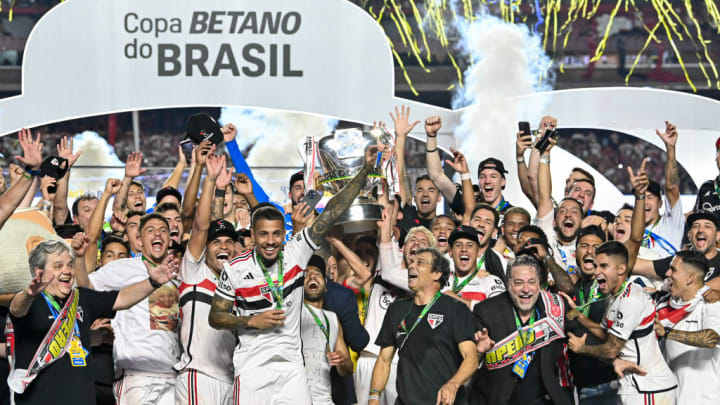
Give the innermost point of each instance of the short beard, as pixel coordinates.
(315, 298)
(516, 303)
(565, 239)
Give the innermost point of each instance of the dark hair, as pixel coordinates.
(439, 264)
(626, 206)
(437, 217)
(423, 177)
(590, 230)
(267, 212)
(134, 214)
(608, 216)
(147, 217)
(366, 239)
(137, 183)
(534, 229)
(696, 260)
(613, 248)
(524, 260)
(568, 199)
(584, 173)
(84, 197)
(486, 206)
(113, 239)
(167, 206)
(518, 210)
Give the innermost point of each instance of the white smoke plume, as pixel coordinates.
(508, 60)
(274, 136)
(96, 152)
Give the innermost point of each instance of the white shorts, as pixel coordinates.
(660, 398)
(363, 378)
(281, 383)
(144, 389)
(193, 388)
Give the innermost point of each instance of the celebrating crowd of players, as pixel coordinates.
(221, 296)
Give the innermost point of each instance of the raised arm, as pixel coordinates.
(244, 187)
(201, 153)
(460, 165)
(344, 198)
(405, 188)
(32, 157)
(133, 168)
(21, 302)
(229, 133)
(95, 225)
(176, 175)
(672, 177)
(362, 272)
(432, 159)
(221, 192)
(523, 143)
(201, 220)
(640, 184)
(60, 205)
(46, 202)
(544, 184)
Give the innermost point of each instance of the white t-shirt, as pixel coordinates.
(667, 233)
(478, 288)
(205, 348)
(697, 369)
(564, 254)
(242, 281)
(314, 344)
(631, 316)
(146, 336)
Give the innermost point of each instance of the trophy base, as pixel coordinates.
(360, 217)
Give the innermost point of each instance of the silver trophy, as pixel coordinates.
(342, 155)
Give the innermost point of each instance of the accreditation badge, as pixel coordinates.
(77, 353)
(521, 366)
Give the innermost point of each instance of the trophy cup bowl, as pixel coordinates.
(342, 156)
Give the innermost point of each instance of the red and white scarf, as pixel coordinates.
(673, 310)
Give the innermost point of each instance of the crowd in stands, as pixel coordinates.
(217, 294)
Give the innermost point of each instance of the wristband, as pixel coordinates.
(32, 172)
(545, 160)
(375, 391)
(220, 193)
(45, 204)
(373, 396)
(431, 150)
(154, 283)
(465, 176)
(521, 159)
(639, 197)
(431, 136)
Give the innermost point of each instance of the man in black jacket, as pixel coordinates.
(521, 334)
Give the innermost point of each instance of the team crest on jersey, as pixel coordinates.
(434, 320)
(265, 291)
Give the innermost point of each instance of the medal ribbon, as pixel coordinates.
(519, 326)
(324, 328)
(594, 297)
(276, 287)
(419, 318)
(458, 287)
(501, 205)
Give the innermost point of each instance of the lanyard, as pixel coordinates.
(419, 318)
(622, 289)
(55, 311)
(324, 328)
(652, 238)
(276, 287)
(146, 260)
(365, 301)
(595, 296)
(519, 326)
(501, 205)
(458, 287)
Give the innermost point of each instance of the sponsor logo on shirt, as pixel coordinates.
(265, 291)
(386, 299)
(434, 320)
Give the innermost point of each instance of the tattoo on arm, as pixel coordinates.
(608, 350)
(217, 207)
(706, 338)
(221, 316)
(563, 282)
(336, 206)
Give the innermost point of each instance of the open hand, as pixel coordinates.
(133, 165)
(65, 151)
(670, 136)
(32, 149)
(401, 119)
(459, 163)
(483, 343)
(39, 283)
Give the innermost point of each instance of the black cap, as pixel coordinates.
(220, 228)
(464, 232)
(703, 215)
(166, 191)
(53, 166)
(492, 163)
(654, 188)
(317, 261)
(296, 177)
(201, 127)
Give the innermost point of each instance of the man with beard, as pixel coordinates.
(441, 227)
(520, 334)
(663, 234)
(513, 220)
(484, 219)
(562, 229)
(205, 368)
(323, 345)
(131, 196)
(708, 198)
(426, 199)
(627, 331)
(171, 213)
(144, 355)
(296, 193)
(431, 329)
(468, 282)
(265, 287)
(691, 328)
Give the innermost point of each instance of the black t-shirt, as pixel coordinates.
(60, 380)
(431, 355)
(588, 371)
(4, 366)
(661, 267)
(708, 198)
(411, 219)
(530, 387)
(458, 206)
